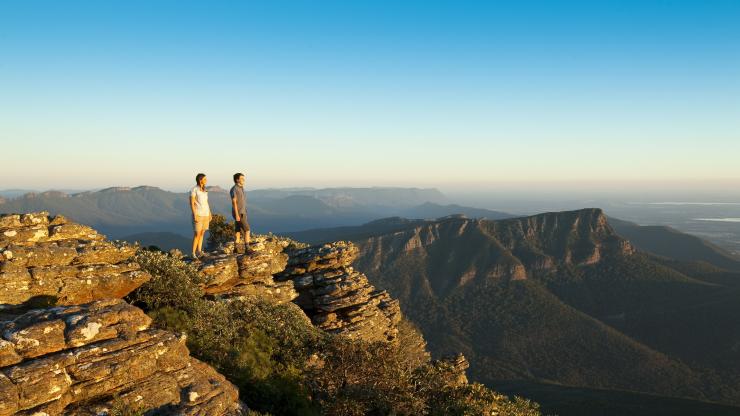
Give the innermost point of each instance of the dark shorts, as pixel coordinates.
(241, 226)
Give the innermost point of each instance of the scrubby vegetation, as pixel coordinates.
(283, 365)
(220, 230)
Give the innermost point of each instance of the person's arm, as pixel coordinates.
(234, 206)
(192, 204)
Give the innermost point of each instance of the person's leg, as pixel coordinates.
(195, 236)
(200, 240)
(245, 229)
(241, 230)
(195, 242)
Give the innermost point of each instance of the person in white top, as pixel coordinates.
(201, 213)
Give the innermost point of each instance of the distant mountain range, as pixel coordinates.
(121, 211)
(562, 299)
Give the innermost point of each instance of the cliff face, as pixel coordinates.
(338, 298)
(454, 251)
(93, 350)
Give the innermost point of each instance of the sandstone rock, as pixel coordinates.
(70, 230)
(98, 354)
(90, 252)
(69, 285)
(52, 260)
(316, 258)
(73, 360)
(22, 235)
(219, 271)
(43, 331)
(257, 266)
(455, 366)
(42, 254)
(339, 299)
(231, 275)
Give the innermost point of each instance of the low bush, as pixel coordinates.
(220, 231)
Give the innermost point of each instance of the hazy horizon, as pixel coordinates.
(718, 191)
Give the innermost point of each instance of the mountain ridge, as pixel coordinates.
(122, 211)
(492, 289)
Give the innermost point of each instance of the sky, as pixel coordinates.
(449, 94)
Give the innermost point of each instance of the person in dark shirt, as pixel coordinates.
(239, 209)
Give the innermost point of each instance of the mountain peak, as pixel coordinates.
(55, 194)
(115, 189)
(146, 188)
(216, 188)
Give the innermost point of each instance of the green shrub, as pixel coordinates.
(359, 378)
(220, 231)
(174, 283)
(411, 344)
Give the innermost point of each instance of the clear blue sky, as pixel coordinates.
(408, 93)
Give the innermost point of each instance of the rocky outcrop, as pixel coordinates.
(455, 367)
(85, 359)
(92, 352)
(52, 260)
(336, 297)
(231, 275)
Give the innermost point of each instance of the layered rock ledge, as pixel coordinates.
(50, 260)
(229, 275)
(86, 359)
(336, 297)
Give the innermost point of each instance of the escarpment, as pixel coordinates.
(455, 251)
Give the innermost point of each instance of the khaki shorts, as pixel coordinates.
(200, 223)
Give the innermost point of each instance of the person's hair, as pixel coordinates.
(198, 177)
(237, 175)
